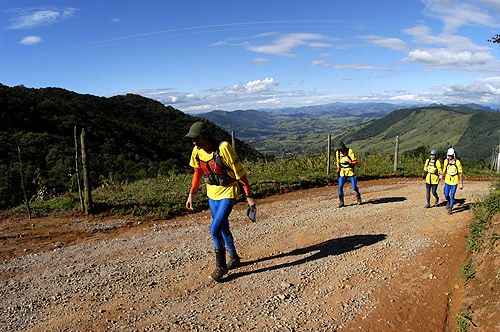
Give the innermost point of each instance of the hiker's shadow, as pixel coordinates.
(320, 250)
(383, 200)
(460, 205)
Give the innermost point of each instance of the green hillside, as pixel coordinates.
(129, 138)
(473, 133)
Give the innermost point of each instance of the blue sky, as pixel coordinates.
(203, 55)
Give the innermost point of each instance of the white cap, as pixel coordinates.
(450, 152)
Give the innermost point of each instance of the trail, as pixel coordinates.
(386, 265)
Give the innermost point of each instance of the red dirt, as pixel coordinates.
(411, 287)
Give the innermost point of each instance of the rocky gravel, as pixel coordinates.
(307, 266)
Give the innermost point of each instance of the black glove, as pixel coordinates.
(424, 175)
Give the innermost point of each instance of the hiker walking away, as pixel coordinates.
(432, 173)
(346, 161)
(452, 170)
(216, 161)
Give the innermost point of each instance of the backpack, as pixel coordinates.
(215, 171)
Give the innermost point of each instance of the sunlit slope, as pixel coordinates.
(470, 131)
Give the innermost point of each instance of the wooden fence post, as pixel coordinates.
(493, 162)
(80, 194)
(498, 159)
(396, 153)
(328, 153)
(22, 183)
(87, 191)
(233, 140)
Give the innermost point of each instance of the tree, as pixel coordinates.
(495, 39)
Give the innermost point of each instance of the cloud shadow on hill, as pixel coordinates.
(321, 250)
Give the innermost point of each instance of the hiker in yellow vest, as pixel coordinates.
(452, 170)
(432, 174)
(216, 161)
(346, 161)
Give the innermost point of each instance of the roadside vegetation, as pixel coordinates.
(164, 196)
(481, 244)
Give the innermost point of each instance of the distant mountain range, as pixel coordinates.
(370, 127)
(340, 109)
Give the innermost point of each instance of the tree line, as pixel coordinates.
(129, 138)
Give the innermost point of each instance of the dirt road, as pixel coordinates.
(386, 265)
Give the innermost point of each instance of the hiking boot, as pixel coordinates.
(436, 202)
(233, 262)
(427, 205)
(220, 266)
(447, 205)
(449, 210)
(341, 201)
(218, 274)
(358, 199)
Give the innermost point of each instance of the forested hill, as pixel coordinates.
(471, 131)
(129, 137)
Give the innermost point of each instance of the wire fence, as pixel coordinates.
(23, 182)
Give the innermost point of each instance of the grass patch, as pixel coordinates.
(467, 271)
(483, 213)
(165, 196)
(464, 320)
(493, 238)
(64, 203)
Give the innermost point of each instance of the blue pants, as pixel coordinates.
(354, 185)
(219, 229)
(449, 193)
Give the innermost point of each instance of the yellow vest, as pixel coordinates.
(234, 169)
(433, 169)
(453, 171)
(343, 167)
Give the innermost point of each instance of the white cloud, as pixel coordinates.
(116, 20)
(346, 66)
(262, 94)
(493, 4)
(484, 88)
(423, 35)
(481, 90)
(445, 57)
(29, 18)
(394, 44)
(455, 14)
(261, 60)
(31, 40)
(201, 108)
(270, 101)
(410, 98)
(283, 45)
(253, 86)
(319, 45)
(237, 96)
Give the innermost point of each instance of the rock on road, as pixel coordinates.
(388, 264)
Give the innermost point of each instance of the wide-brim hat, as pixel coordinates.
(197, 129)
